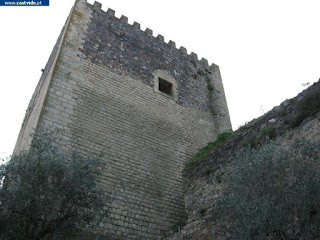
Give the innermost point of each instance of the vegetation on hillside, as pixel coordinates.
(265, 134)
(307, 107)
(271, 193)
(210, 146)
(46, 191)
(255, 133)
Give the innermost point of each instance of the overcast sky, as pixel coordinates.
(266, 49)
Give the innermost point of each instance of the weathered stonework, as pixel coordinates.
(98, 91)
(201, 182)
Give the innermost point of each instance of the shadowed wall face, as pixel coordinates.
(128, 50)
(145, 104)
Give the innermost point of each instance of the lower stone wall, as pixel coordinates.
(202, 186)
(34, 109)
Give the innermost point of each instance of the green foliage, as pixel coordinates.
(180, 222)
(283, 112)
(248, 124)
(267, 133)
(307, 107)
(271, 193)
(210, 87)
(46, 191)
(219, 174)
(210, 146)
(209, 84)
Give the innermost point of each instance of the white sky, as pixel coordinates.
(266, 49)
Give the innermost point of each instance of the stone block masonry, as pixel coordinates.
(203, 183)
(147, 105)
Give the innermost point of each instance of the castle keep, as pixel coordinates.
(110, 87)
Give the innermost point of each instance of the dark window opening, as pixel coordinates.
(165, 87)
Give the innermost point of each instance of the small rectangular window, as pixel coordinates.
(165, 86)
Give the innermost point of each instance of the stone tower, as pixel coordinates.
(110, 87)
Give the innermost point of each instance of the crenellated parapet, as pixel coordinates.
(159, 39)
(128, 50)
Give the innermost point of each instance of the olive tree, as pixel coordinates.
(272, 193)
(46, 191)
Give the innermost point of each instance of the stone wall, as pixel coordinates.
(34, 109)
(202, 185)
(103, 100)
(126, 49)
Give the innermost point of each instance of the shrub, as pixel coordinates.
(307, 107)
(180, 222)
(249, 124)
(210, 146)
(272, 193)
(265, 134)
(46, 191)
